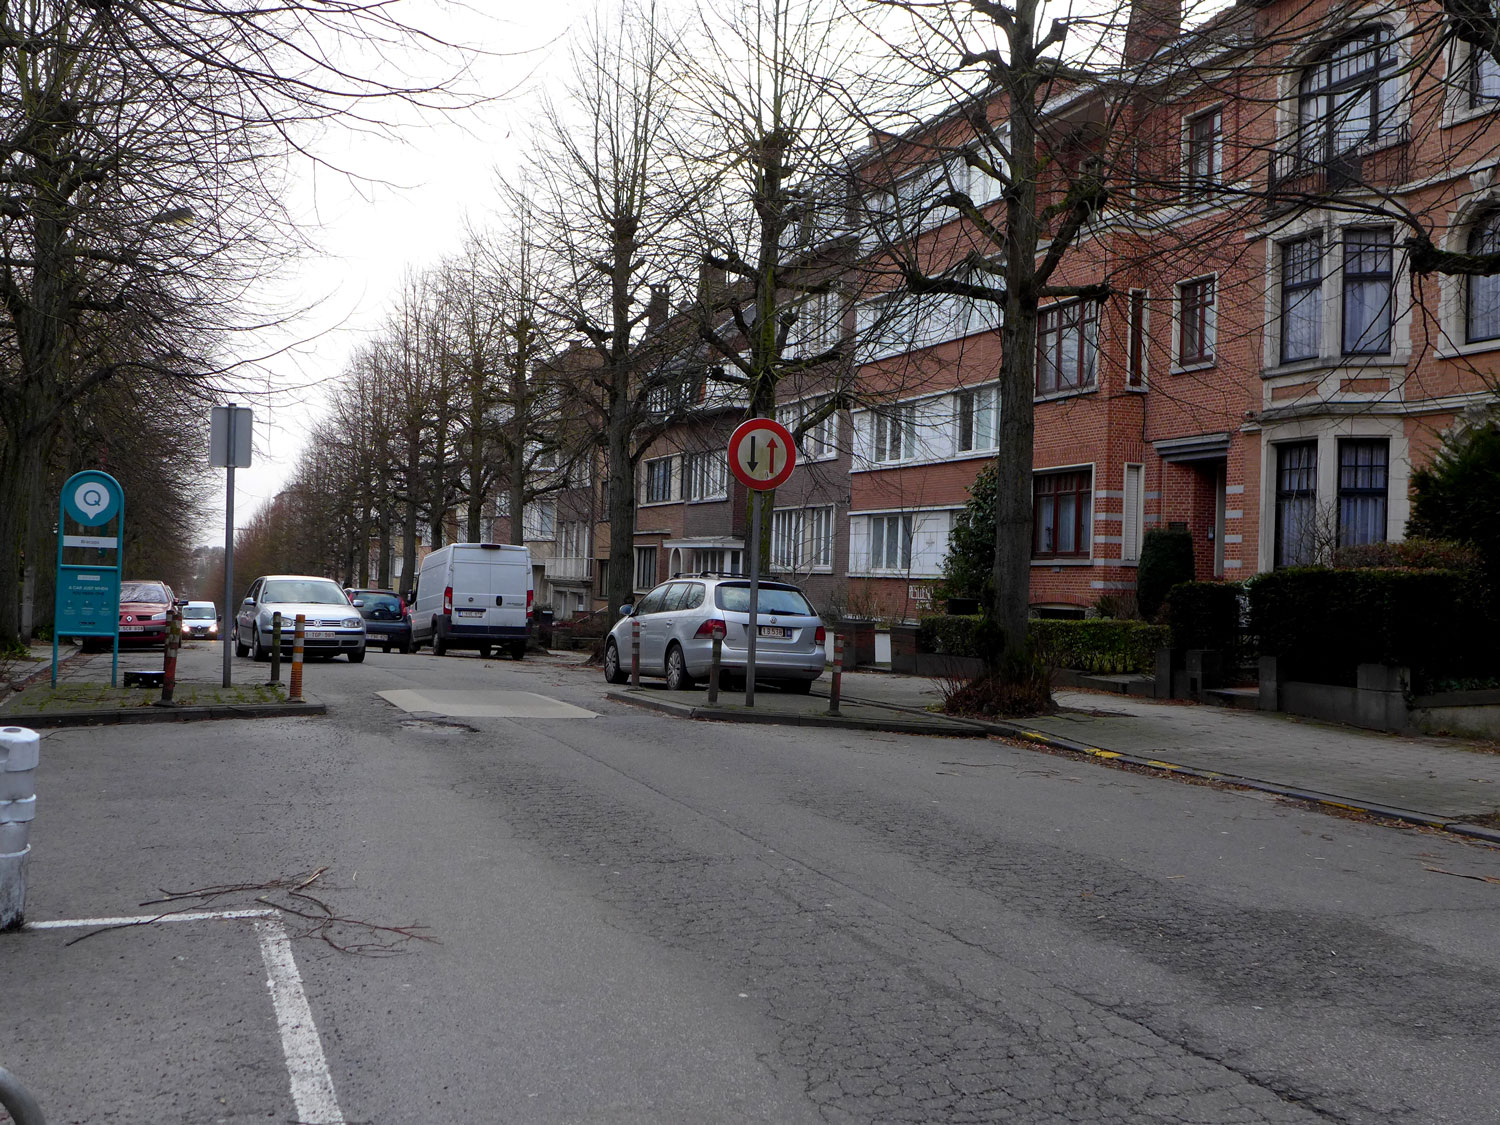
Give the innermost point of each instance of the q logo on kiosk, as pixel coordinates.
(92, 498)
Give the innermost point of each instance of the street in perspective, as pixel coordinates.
(492, 890)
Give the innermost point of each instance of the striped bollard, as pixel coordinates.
(838, 674)
(294, 691)
(635, 654)
(276, 647)
(18, 759)
(169, 657)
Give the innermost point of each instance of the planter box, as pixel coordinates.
(904, 649)
(859, 642)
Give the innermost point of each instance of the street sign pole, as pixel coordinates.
(753, 629)
(230, 429)
(230, 609)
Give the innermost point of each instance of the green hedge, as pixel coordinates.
(1166, 560)
(1322, 623)
(1205, 615)
(1099, 645)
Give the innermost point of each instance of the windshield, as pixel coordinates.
(198, 612)
(736, 599)
(144, 592)
(379, 607)
(319, 591)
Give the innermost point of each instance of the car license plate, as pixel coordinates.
(132, 628)
(471, 613)
(320, 634)
(774, 631)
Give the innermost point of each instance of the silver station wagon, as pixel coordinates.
(677, 621)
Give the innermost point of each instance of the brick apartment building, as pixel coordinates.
(1268, 367)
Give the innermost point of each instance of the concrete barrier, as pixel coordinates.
(19, 753)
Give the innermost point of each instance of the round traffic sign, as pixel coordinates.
(761, 454)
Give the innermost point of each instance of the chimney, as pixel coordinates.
(1153, 23)
(657, 307)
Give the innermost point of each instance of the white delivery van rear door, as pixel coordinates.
(489, 585)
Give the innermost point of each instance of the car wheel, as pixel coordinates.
(359, 657)
(518, 652)
(439, 645)
(406, 648)
(728, 681)
(239, 649)
(677, 673)
(256, 651)
(613, 673)
(797, 687)
(386, 650)
(484, 651)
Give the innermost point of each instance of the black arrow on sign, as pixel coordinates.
(754, 461)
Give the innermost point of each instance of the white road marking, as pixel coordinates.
(312, 1084)
(484, 704)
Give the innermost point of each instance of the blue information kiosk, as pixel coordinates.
(90, 530)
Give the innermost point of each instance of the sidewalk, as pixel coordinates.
(83, 696)
(1439, 782)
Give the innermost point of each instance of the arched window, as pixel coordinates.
(1347, 99)
(1482, 301)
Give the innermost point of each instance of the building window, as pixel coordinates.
(890, 543)
(1062, 514)
(645, 568)
(977, 411)
(1348, 99)
(1204, 150)
(817, 443)
(1296, 503)
(1067, 347)
(1364, 466)
(573, 542)
(539, 520)
(896, 433)
(1483, 79)
(717, 560)
(601, 571)
(1195, 336)
(1135, 370)
(818, 326)
(1133, 515)
(705, 476)
(802, 539)
(1301, 300)
(659, 480)
(1368, 291)
(1482, 301)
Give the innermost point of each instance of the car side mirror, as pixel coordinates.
(218, 617)
(248, 601)
(359, 603)
(627, 610)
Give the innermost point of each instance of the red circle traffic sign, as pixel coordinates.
(761, 454)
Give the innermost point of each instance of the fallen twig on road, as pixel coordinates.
(1461, 875)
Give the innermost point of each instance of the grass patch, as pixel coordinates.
(42, 699)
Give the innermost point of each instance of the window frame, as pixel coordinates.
(1475, 79)
(1483, 238)
(899, 421)
(642, 552)
(1137, 350)
(796, 543)
(979, 401)
(905, 525)
(1349, 279)
(1056, 322)
(1354, 492)
(1284, 495)
(1294, 294)
(1203, 152)
(649, 469)
(1201, 314)
(1083, 511)
(694, 472)
(1317, 133)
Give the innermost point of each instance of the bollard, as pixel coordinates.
(276, 647)
(17, 1101)
(838, 674)
(19, 752)
(169, 657)
(294, 692)
(713, 670)
(635, 654)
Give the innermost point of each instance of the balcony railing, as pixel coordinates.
(1298, 176)
(567, 568)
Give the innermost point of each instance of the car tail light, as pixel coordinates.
(401, 607)
(448, 600)
(709, 627)
(530, 595)
(821, 636)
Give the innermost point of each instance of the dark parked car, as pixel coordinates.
(387, 623)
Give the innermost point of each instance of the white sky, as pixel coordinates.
(371, 234)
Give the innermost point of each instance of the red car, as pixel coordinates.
(144, 609)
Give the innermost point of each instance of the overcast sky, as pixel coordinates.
(370, 233)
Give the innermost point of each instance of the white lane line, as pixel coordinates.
(312, 1084)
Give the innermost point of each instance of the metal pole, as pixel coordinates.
(713, 669)
(838, 674)
(294, 691)
(18, 1102)
(635, 654)
(752, 628)
(276, 647)
(169, 657)
(229, 607)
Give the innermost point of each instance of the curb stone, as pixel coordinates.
(128, 715)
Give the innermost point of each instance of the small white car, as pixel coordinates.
(200, 619)
(332, 625)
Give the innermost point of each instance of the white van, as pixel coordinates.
(474, 595)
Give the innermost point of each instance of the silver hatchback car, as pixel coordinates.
(677, 621)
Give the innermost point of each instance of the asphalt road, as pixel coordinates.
(640, 919)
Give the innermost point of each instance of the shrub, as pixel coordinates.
(969, 566)
(1458, 495)
(1322, 623)
(1416, 554)
(1166, 561)
(954, 634)
(1205, 615)
(1099, 645)
(1024, 689)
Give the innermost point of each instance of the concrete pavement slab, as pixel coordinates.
(483, 704)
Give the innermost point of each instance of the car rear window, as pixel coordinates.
(379, 607)
(144, 592)
(773, 599)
